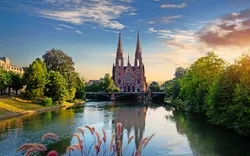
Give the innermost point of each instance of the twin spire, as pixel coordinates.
(138, 51)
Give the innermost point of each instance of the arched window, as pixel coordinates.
(138, 62)
(138, 81)
(119, 81)
(120, 62)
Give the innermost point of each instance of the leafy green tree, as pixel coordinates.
(93, 87)
(17, 81)
(154, 86)
(35, 78)
(80, 90)
(107, 84)
(196, 82)
(169, 88)
(57, 60)
(56, 88)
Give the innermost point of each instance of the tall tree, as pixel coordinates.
(57, 60)
(197, 81)
(35, 78)
(56, 88)
(80, 89)
(5, 80)
(17, 81)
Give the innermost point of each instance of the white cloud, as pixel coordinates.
(66, 26)
(151, 22)
(151, 30)
(169, 19)
(58, 29)
(79, 32)
(106, 13)
(181, 5)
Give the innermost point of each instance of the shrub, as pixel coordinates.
(47, 102)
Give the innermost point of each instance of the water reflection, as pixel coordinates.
(177, 133)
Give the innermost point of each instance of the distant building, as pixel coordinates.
(129, 78)
(5, 63)
(90, 82)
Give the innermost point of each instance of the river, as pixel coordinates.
(176, 133)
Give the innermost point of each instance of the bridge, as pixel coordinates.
(126, 96)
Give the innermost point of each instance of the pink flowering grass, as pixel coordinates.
(100, 146)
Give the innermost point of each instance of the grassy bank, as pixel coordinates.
(13, 107)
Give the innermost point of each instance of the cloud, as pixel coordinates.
(151, 22)
(228, 30)
(178, 6)
(151, 30)
(66, 26)
(79, 32)
(58, 29)
(105, 13)
(169, 19)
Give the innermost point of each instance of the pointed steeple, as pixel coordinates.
(138, 52)
(138, 46)
(119, 52)
(119, 47)
(128, 60)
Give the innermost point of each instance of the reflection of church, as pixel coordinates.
(129, 78)
(132, 118)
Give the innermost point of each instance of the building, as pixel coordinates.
(5, 64)
(129, 78)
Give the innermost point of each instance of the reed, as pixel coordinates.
(98, 146)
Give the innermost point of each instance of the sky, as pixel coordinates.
(173, 33)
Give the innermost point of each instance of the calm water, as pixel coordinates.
(176, 133)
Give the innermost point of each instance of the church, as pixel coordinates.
(130, 78)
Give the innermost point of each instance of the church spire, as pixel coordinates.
(128, 59)
(138, 46)
(119, 52)
(138, 52)
(119, 47)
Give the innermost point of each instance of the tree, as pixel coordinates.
(107, 84)
(17, 81)
(154, 86)
(35, 78)
(169, 88)
(80, 89)
(5, 80)
(57, 60)
(196, 82)
(56, 88)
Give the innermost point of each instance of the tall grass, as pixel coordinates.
(99, 146)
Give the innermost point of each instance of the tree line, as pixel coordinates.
(213, 87)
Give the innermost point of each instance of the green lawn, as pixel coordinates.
(16, 105)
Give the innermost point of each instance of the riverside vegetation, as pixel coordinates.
(213, 87)
(99, 146)
(49, 81)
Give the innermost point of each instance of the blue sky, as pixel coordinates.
(173, 32)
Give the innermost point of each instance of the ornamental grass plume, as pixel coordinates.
(98, 147)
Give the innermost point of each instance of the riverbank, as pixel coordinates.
(11, 107)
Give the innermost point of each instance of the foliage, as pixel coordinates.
(100, 146)
(169, 88)
(56, 88)
(47, 102)
(154, 86)
(57, 60)
(107, 84)
(93, 87)
(80, 89)
(35, 77)
(196, 82)
(17, 81)
(5, 79)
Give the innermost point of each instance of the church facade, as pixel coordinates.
(129, 78)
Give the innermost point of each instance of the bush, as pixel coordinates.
(47, 102)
